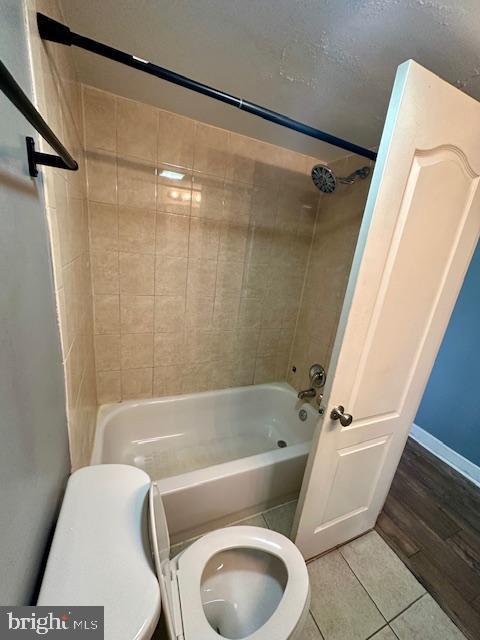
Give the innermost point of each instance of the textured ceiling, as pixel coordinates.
(329, 63)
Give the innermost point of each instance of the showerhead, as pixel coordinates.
(325, 180)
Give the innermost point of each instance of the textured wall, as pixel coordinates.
(455, 378)
(197, 280)
(59, 98)
(330, 64)
(34, 462)
(333, 246)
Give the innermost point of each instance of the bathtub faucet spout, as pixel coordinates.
(307, 393)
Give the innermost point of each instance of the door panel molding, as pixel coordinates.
(360, 491)
(408, 216)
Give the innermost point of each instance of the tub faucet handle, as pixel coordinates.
(317, 375)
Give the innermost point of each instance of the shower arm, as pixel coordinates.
(353, 177)
(348, 179)
(54, 31)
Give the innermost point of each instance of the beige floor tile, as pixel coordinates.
(390, 584)
(281, 518)
(340, 605)
(384, 634)
(310, 630)
(425, 620)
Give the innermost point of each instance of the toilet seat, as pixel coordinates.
(192, 562)
(180, 578)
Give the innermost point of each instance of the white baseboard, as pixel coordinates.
(449, 456)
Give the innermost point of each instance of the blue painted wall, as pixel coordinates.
(450, 408)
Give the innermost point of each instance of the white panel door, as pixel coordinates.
(420, 228)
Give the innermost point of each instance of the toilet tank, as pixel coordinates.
(100, 554)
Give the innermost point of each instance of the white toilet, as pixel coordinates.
(238, 582)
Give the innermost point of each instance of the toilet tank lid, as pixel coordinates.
(100, 554)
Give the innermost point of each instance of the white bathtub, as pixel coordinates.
(214, 454)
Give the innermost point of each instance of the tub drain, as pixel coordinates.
(281, 444)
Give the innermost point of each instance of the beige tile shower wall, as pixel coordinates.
(335, 237)
(58, 96)
(199, 240)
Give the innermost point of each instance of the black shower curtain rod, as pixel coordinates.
(57, 32)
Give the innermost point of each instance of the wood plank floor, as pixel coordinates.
(431, 519)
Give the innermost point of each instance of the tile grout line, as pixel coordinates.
(403, 610)
(316, 624)
(386, 626)
(369, 596)
(362, 585)
(393, 631)
(156, 259)
(407, 608)
(304, 286)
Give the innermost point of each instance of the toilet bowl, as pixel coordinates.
(237, 583)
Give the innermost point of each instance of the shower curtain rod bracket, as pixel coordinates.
(21, 101)
(55, 31)
(46, 159)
